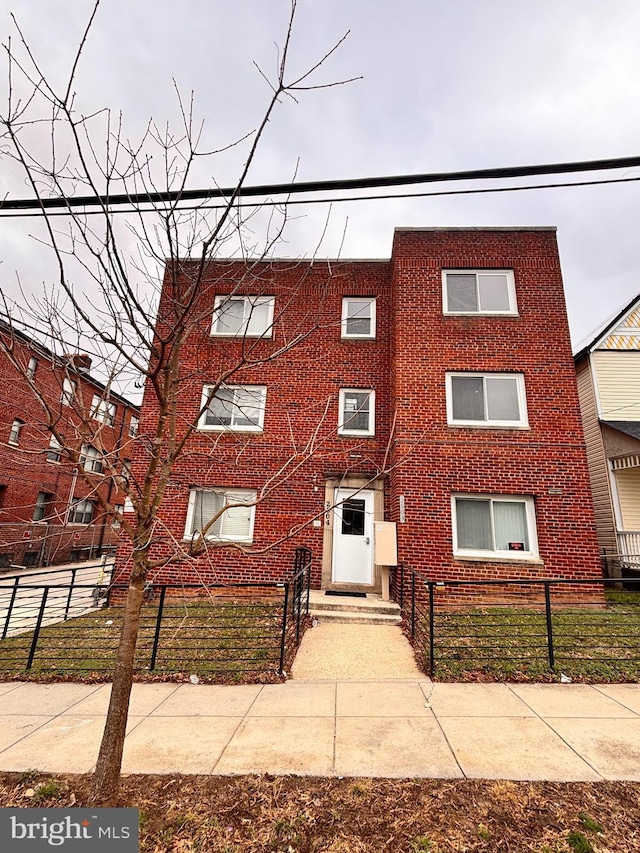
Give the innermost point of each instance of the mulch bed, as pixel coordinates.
(252, 814)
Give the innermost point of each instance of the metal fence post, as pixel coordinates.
(298, 586)
(413, 604)
(401, 587)
(10, 608)
(432, 649)
(547, 607)
(283, 640)
(70, 595)
(36, 632)
(156, 636)
(308, 582)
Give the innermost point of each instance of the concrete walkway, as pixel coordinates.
(360, 652)
(397, 729)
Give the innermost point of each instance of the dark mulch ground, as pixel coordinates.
(251, 814)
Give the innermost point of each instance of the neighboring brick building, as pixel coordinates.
(48, 513)
(437, 390)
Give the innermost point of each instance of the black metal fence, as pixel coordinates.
(73, 590)
(220, 632)
(579, 628)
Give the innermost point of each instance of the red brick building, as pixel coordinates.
(435, 390)
(48, 512)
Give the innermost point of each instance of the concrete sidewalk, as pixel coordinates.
(409, 728)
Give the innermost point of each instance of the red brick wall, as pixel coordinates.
(406, 364)
(539, 462)
(24, 470)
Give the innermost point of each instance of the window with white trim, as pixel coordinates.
(118, 511)
(479, 292)
(55, 450)
(40, 510)
(125, 471)
(31, 367)
(494, 525)
(14, 434)
(134, 423)
(358, 317)
(81, 512)
(232, 509)
(234, 407)
(68, 392)
(91, 459)
(357, 412)
(486, 400)
(243, 316)
(103, 410)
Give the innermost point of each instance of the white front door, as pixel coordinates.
(353, 537)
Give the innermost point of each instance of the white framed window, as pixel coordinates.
(234, 407)
(81, 512)
(68, 392)
(103, 410)
(91, 459)
(486, 400)
(31, 367)
(54, 452)
(40, 510)
(125, 471)
(243, 316)
(479, 292)
(118, 511)
(494, 525)
(14, 433)
(357, 412)
(134, 423)
(235, 509)
(358, 317)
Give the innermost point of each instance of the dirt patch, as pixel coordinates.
(255, 814)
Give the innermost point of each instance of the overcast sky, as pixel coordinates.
(446, 85)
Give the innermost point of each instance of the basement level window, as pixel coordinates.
(223, 514)
(494, 526)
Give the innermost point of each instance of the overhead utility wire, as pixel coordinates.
(321, 186)
(334, 199)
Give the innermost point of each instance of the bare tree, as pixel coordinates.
(105, 296)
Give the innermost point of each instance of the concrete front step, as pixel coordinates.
(369, 610)
(343, 616)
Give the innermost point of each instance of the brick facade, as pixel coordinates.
(25, 471)
(415, 455)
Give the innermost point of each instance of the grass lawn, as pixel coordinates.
(228, 642)
(510, 643)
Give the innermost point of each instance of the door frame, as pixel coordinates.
(367, 497)
(353, 482)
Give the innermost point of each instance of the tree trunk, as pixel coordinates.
(106, 780)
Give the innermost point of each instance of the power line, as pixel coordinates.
(336, 199)
(321, 186)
